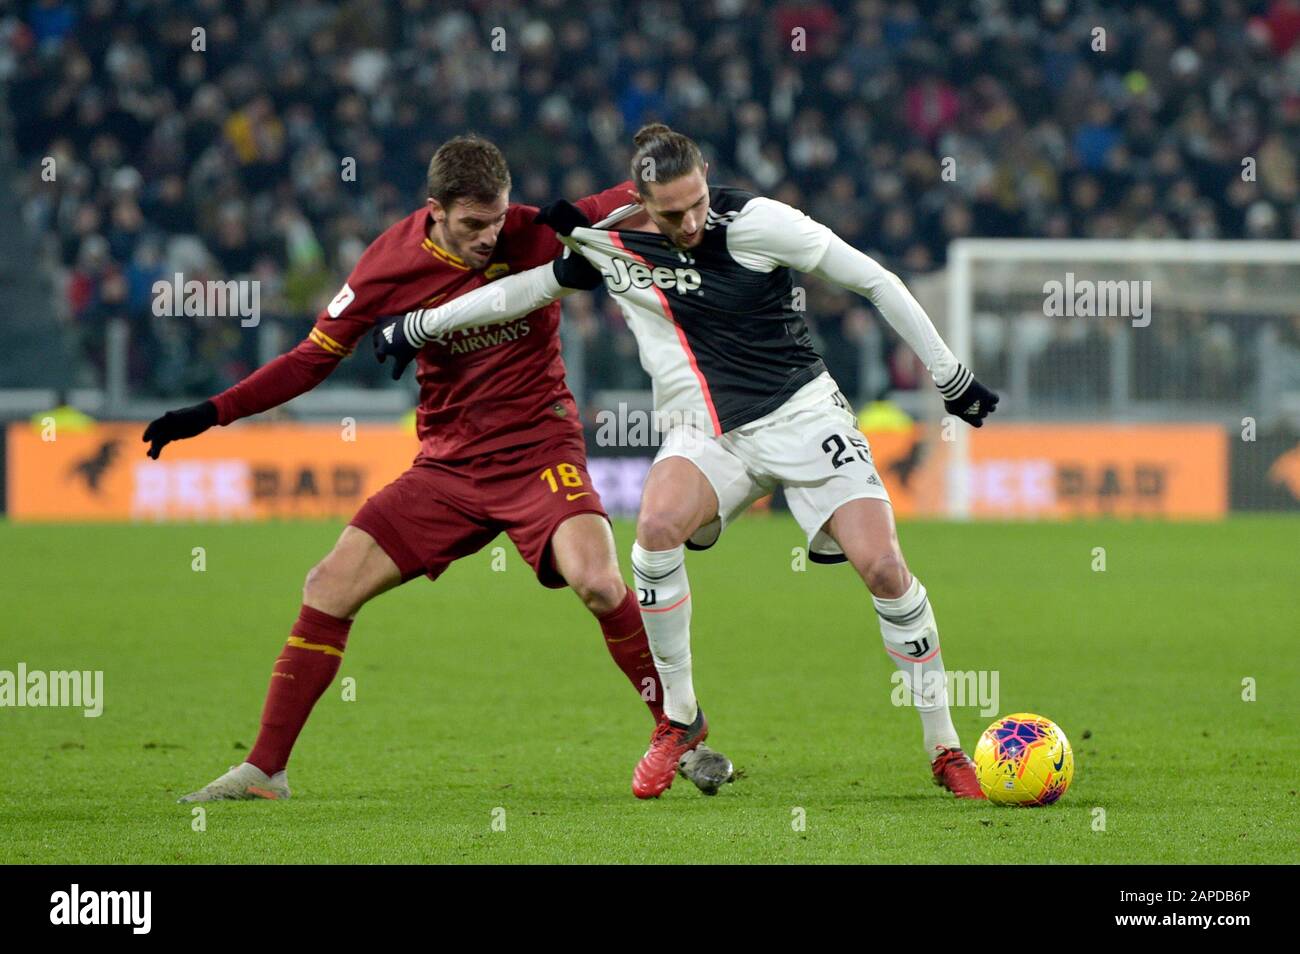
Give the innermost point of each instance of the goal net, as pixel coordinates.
(1117, 362)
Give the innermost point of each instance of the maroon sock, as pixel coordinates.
(304, 670)
(626, 641)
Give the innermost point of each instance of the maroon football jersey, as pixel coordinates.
(481, 389)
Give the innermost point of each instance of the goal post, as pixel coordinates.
(1121, 332)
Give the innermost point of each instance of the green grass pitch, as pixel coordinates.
(484, 692)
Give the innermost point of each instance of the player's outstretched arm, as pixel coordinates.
(769, 233)
(849, 268)
(401, 337)
(279, 380)
(177, 425)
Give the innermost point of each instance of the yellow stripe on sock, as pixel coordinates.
(297, 642)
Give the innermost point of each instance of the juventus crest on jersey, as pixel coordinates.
(716, 324)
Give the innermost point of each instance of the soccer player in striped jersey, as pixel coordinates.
(501, 448)
(703, 276)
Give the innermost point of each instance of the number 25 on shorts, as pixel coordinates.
(568, 477)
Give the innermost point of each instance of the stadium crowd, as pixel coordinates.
(281, 138)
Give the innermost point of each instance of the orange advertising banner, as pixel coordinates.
(1159, 470)
(1036, 471)
(246, 472)
(262, 471)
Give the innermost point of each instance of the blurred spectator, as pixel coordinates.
(287, 136)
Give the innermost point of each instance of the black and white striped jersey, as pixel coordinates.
(716, 325)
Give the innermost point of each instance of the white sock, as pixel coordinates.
(912, 640)
(665, 596)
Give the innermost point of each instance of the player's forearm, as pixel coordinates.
(849, 268)
(276, 382)
(502, 300)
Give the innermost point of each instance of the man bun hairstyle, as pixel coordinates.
(467, 167)
(662, 155)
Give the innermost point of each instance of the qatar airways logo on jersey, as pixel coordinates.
(465, 340)
(637, 275)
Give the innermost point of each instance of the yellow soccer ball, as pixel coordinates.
(1025, 760)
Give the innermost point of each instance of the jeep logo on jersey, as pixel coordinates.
(635, 274)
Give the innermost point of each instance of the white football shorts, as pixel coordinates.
(810, 445)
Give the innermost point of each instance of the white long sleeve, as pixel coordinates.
(849, 268)
(502, 300)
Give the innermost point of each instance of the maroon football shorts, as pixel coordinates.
(434, 514)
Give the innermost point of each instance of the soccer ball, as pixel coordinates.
(1025, 760)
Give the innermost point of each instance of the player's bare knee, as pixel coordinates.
(601, 591)
(326, 589)
(316, 588)
(314, 584)
(661, 529)
(885, 574)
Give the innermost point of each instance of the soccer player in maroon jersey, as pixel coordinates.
(704, 277)
(501, 449)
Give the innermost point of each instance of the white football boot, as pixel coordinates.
(242, 782)
(707, 768)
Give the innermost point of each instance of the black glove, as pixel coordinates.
(572, 270)
(967, 398)
(178, 425)
(561, 215)
(397, 337)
